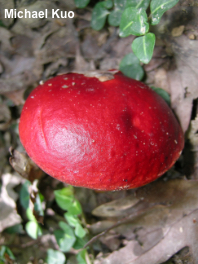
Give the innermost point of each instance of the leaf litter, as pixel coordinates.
(158, 232)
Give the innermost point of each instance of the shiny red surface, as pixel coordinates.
(110, 135)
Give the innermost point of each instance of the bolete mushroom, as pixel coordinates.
(102, 131)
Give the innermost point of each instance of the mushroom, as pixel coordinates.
(100, 131)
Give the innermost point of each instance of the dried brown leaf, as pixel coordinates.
(161, 230)
(15, 83)
(191, 153)
(30, 171)
(182, 233)
(184, 78)
(193, 134)
(8, 197)
(5, 36)
(6, 4)
(30, 22)
(5, 117)
(116, 208)
(17, 97)
(22, 164)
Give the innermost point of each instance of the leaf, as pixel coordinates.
(116, 208)
(55, 257)
(74, 221)
(8, 198)
(81, 257)
(66, 228)
(5, 116)
(79, 231)
(20, 162)
(120, 4)
(133, 22)
(71, 219)
(143, 47)
(6, 251)
(99, 16)
(162, 93)
(130, 66)
(67, 191)
(183, 73)
(115, 16)
(64, 198)
(158, 232)
(80, 243)
(33, 229)
(138, 3)
(24, 195)
(38, 204)
(30, 215)
(1, 24)
(65, 239)
(159, 7)
(81, 3)
(108, 4)
(15, 229)
(75, 208)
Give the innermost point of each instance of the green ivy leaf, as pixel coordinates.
(115, 16)
(33, 229)
(143, 47)
(108, 4)
(99, 16)
(162, 93)
(15, 229)
(130, 66)
(138, 3)
(80, 243)
(30, 215)
(67, 191)
(133, 22)
(120, 4)
(2, 24)
(159, 7)
(75, 208)
(71, 219)
(80, 231)
(81, 257)
(65, 239)
(81, 3)
(38, 204)
(74, 221)
(64, 197)
(24, 195)
(5, 251)
(55, 257)
(66, 228)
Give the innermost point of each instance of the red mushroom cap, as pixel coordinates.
(100, 133)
